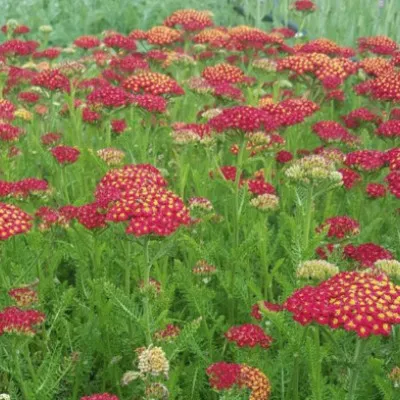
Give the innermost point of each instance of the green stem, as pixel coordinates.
(308, 218)
(146, 300)
(355, 371)
(236, 226)
(296, 368)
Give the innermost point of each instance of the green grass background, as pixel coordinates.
(341, 20)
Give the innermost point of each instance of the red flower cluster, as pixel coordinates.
(52, 79)
(283, 156)
(87, 42)
(243, 118)
(7, 110)
(256, 311)
(354, 118)
(340, 227)
(259, 186)
(389, 129)
(109, 96)
(13, 221)
(393, 180)
(224, 72)
(9, 133)
(366, 254)
(170, 332)
(162, 35)
(16, 47)
(189, 20)
(375, 190)
(51, 138)
(50, 53)
(118, 41)
(364, 303)
(224, 375)
(248, 335)
(332, 131)
(23, 187)
(15, 320)
(65, 154)
(100, 396)
(385, 87)
(152, 83)
(377, 44)
(349, 177)
(150, 102)
(304, 5)
(366, 160)
(138, 195)
(29, 97)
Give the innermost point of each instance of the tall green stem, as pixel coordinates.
(308, 217)
(146, 300)
(236, 226)
(355, 371)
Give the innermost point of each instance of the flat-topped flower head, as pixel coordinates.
(112, 157)
(100, 396)
(223, 72)
(366, 160)
(190, 20)
(313, 169)
(224, 376)
(52, 79)
(162, 35)
(365, 303)
(316, 269)
(340, 227)
(24, 296)
(332, 131)
(366, 254)
(153, 83)
(65, 154)
(153, 362)
(13, 221)
(382, 45)
(389, 129)
(248, 335)
(87, 42)
(393, 180)
(304, 6)
(375, 190)
(23, 322)
(243, 119)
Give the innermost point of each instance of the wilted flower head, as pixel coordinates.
(316, 269)
(313, 168)
(389, 267)
(394, 376)
(23, 296)
(265, 202)
(170, 332)
(153, 361)
(111, 156)
(100, 396)
(202, 267)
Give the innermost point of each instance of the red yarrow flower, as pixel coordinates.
(13, 221)
(366, 254)
(100, 396)
(375, 190)
(248, 335)
(15, 320)
(365, 303)
(389, 129)
(65, 154)
(340, 227)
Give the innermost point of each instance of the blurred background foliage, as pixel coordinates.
(340, 20)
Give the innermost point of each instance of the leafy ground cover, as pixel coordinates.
(199, 211)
